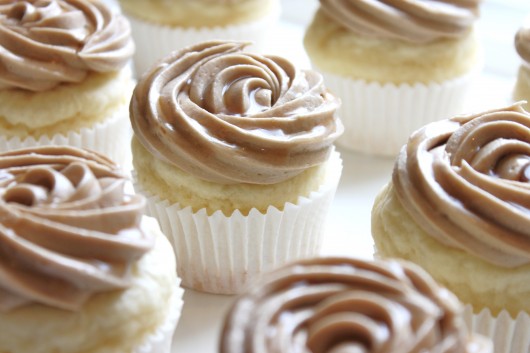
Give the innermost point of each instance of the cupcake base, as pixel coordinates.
(222, 254)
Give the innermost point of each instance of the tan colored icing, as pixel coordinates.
(67, 229)
(344, 305)
(44, 43)
(465, 181)
(522, 43)
(228, 116)
(412, 20)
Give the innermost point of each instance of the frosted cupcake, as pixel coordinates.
(396, 65)
(81, 269)
(179, 23)
(458, 206)
(522, 45)
(347, 305)
(64, 77)
(235, 151)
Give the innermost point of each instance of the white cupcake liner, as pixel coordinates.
(378, 119)
(111, 137)
(153, 41)
(509, 335)
(160, 341)
(220, 254)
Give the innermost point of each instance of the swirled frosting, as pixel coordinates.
(411, 20)
(44, 43)
(522, 43)
(340, 305)
(228, 116)
(67, 230)
(465, 181)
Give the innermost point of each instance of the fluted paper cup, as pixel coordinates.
(160, 341)
(111, 137)
(379, 118)
(509, 335)
(220, 254)
(153, 41)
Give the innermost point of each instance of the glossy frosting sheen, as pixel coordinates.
(228, 116)
(47, 42)
(67, 230)
(410, 20)
(466, 182)
(522, 43)
(340, 305)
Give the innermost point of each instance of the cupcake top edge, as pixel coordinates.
(414, 21)
(48, 42)
(68, 230)
(465, 181)
(348, 305)
(228, 116)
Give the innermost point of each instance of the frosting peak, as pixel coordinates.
(228, 116)
(466, 182)
(44, 43)
(409, 20)
(522, 43)
(67, 230)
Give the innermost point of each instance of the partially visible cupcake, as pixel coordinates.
(459, 206)
(81, 268)
(347, 305)
(235, 151)
(162, 26)
(522, 45)
(396, 65)
(64, 76)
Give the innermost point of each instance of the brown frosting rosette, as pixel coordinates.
(47, 42)
(228, 116)
(412, 20)
(465, 181)
(67, 229)
(345, 305)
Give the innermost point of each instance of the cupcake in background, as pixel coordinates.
(396, 65)
(235, 153)
(162, 26)
(81, 268)
(347, 305)
(458, 205)
(64, 77)
(522, 45)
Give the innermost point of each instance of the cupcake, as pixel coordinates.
(522, 45)
(396, 65)
(458, 205)
(347, 305)
(64, 77)
(235, 153)
(81, 270)
(179, 23)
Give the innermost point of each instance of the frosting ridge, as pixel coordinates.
(44, 43)
(465, 181)
(228, 116)
(67, 229)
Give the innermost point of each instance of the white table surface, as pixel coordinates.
(348, 227)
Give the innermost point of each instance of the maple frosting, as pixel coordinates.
(44, 43)
(346, 305)
(465, 181)
(522, 43)
(417, 21)
(67, 229)
(228, 116)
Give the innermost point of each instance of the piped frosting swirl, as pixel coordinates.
(465, 181)
(345, 305)
(44, 43)
(417, 21)
(227, 116)
(67, 229)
